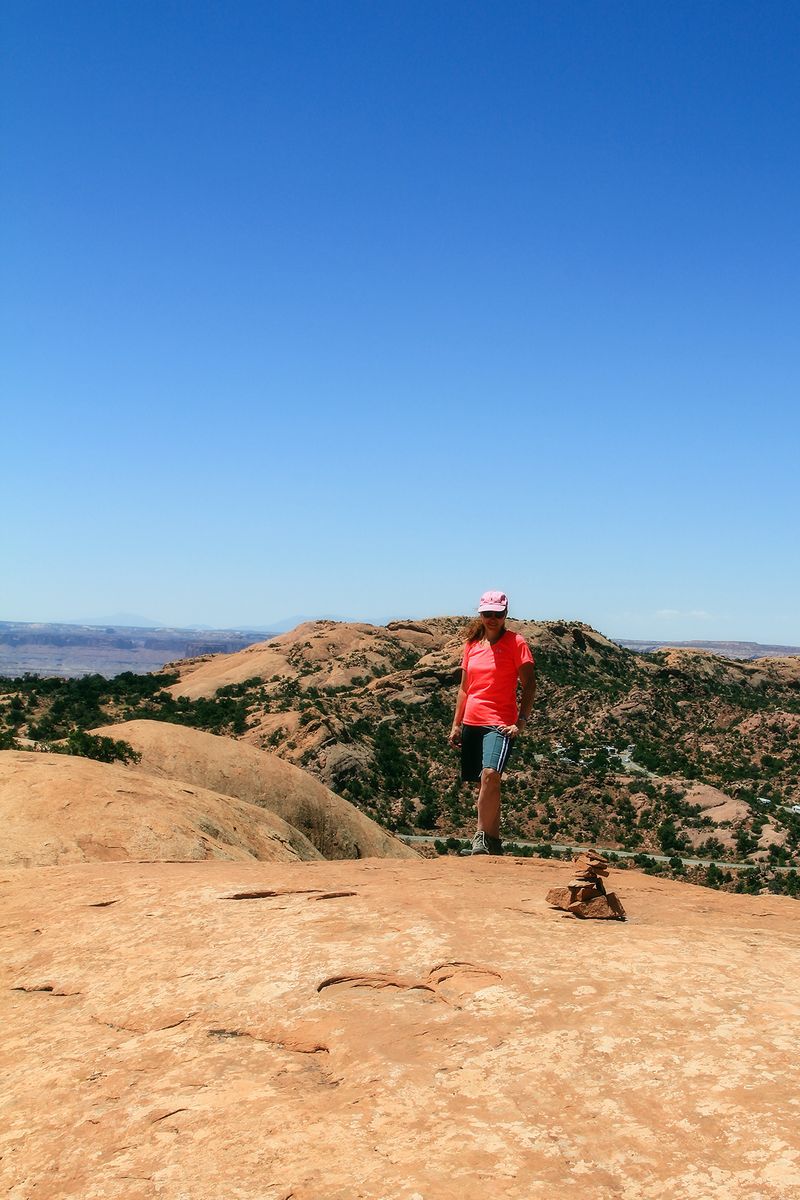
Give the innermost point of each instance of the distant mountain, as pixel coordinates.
(126, 620)
(746, 650)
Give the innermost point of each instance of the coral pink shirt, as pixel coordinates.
(490, 679)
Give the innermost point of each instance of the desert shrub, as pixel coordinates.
(669, 838)
(711, 848)
(714, 876)
(428, 815)
(101, 749)
(749, 882)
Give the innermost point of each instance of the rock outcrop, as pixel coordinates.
(59, 809)
(322, 653)
(334, 826)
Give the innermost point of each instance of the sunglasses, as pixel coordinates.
(494, 616)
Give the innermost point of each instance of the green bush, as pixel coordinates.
(101, 749)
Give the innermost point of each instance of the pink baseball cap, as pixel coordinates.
(493, 602)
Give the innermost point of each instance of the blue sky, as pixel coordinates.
(362, 308)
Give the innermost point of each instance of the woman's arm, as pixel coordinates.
(461, 703)
(527, 677)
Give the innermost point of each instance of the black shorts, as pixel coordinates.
(483, 746)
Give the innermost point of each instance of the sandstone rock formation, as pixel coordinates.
(384, 1030)
(716, 803)
(585, 896)
(338, 653)
(58, 809)
(335, 827)
(330, 653)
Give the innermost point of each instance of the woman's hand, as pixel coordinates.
(455, 737)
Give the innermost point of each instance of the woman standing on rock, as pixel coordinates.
(487, 719)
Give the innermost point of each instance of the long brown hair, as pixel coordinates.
(475, 630)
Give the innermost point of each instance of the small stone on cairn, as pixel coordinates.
(585, 896)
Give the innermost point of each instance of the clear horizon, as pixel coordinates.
(357, 308)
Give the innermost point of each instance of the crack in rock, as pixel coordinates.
(156, 1120)
(332, 895)
(52, 988)
(141, 1032)
(463, 975)
(377, 981)
(271, 893)
(274, 893)
(293, 1045)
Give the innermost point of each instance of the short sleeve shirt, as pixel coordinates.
(491, 673)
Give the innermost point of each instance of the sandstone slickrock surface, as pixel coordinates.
(59, 809)
(334, 826)
(385, 1030)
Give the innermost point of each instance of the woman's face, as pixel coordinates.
(492, 623)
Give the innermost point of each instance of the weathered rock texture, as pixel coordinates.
(384, 1030)
(59, 809)
(334, 826)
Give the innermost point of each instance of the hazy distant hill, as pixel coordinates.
(127, 620)
(747, 650)
(72, 651)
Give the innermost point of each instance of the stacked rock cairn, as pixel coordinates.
(585, 896)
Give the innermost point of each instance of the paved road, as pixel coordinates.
(576, 849)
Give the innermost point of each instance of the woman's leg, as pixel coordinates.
(489, 802)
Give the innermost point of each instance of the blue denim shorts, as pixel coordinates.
(483, 746)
